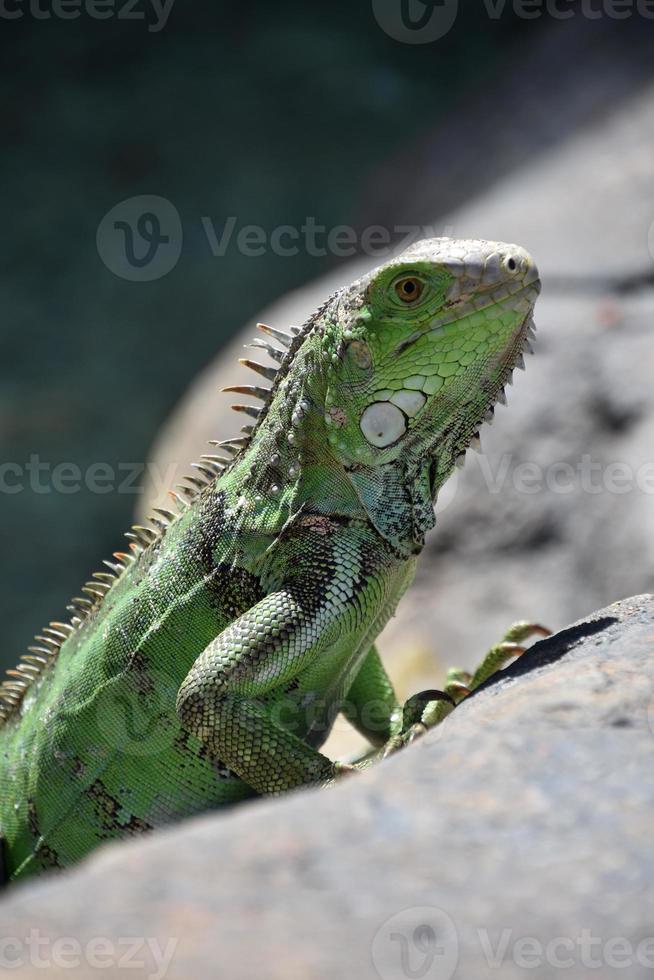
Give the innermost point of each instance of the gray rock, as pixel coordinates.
(513, 841)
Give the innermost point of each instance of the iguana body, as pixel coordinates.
(209, 664)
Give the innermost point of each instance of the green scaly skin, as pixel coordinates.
(208, 664)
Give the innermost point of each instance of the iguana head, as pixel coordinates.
(417, 354)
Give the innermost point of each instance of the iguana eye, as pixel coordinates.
(409, 289)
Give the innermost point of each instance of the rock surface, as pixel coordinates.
(513, 841)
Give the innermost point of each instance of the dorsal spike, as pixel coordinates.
(269, 373)
(7, 688)
(56, 634)
(205, 470)
(43, 644)
(250, 410)
(190, 493)
(178, 500)
(216, 470)
(196, 482)
(217, 461)
(93, 589)
(43, 652)
(65, 627)
(77, 613)
(146, 534)
(220, 459)
(276, 353)
(52, 643)
(254, 390)
(17, 683)
(166, 514)
(232, 446)
(81, 603)
(280, 335)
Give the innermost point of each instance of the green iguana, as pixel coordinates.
(207, 663)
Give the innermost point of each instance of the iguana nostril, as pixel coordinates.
(513, 263)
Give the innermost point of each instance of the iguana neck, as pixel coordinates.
(288, 464)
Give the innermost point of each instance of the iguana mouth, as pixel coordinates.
(509, 298)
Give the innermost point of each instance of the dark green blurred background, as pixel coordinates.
(267, 112)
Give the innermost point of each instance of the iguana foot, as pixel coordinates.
(459, 683)
(420, 713)
(428, 708)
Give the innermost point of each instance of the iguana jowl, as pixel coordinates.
(207, 663)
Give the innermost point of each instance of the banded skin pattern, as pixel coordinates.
(207, 663)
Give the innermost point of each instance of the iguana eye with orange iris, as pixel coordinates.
(409, 289)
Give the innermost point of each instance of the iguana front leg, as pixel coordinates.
(264, 688)
(222, 700)
(371, 705)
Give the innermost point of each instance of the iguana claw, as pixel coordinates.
(459, 683)
(421, 712)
